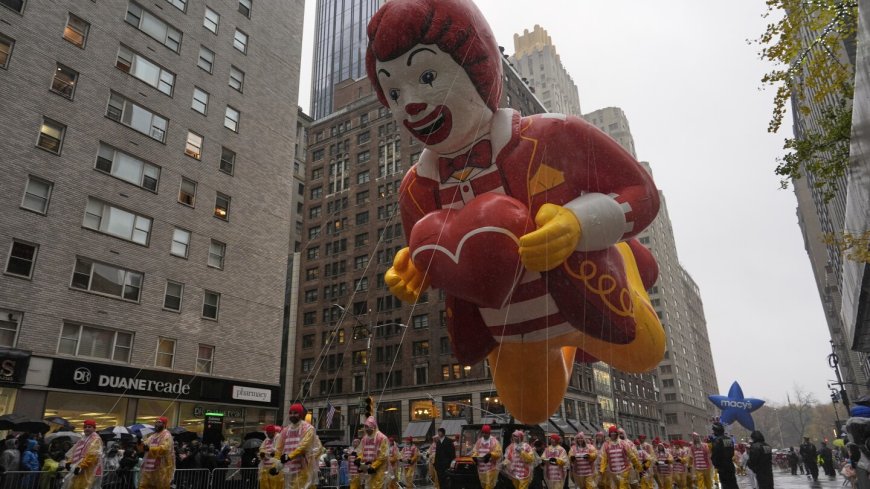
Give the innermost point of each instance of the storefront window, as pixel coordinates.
(227, 423)
(457, 407)
(422, 410)
(390, 418)
(256, 419)
(490, 403)
(151, 409)
(7, 400)
(76, 408)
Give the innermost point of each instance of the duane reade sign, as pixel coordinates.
(251, 394)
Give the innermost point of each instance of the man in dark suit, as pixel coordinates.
(445, 452)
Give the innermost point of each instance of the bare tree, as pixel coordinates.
(799, 411)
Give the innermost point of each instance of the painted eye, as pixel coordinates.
(394, 94)
(428, 77)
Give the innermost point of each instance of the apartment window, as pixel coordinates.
(237, 78)
(362, 217)
(136, 117)
(228, 161)
(670, 397)
(308, 341)
(64, 81)
(362, 197)
(240, 41)
(9, 323)
(127, 167)
(193, 146)
(187, 192)
(106, 218)
(51, 135)
(245, 8)
(421, 348)
(165, 353)
(211, 20)
(102, 278)
(671, 418)
(172, 296)
(145, 70)
(361, 284)
(309, 318)
(151, 25)
(231, 119)
(179, 4)
(421, 374)
(222, 206)
(22, 256)
(204, 359)
(421, 321)
(362, 177)
(16, 5)
(76, 31)
(37, 193)
(668, 383)
(89, 341)
(216, 253)
(206, 59)
(6, 44)
(200, 100)
(180, 242)
(210, 304)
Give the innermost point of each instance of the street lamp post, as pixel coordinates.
(833, 362)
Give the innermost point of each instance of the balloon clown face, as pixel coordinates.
(526, 223)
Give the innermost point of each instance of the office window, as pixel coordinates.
(51, 135)
(179, 4)
(136, 117)
(421, 348)
(222, 206)
(228, 161)
(193, 146)
(76, 31)
(180, 242)
(362, 177)
(187, 192)
(9, 323)
(211, 20)
(172, 296)
(245, 8)
(106, 218)
(127, 167)
(204, 359)
(237, 78)
(155, 28)
(102, 278)
(145, 70)
(89, 341)
(210, 304)
(216, 253)
(421, 374)
(64, 81)
(21, 259)
(308, 341)
(231, 119)
(37, 194)
(240, 41)
(200, 100)
(421, 321)
(165, 353)
(6, 44)
(16, 5)
(362, 217)
(206, 59)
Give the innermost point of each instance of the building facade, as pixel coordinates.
(140, 273)
(536, 60)
(673, 398)
(339, 48)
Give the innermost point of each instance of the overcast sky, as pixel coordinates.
(688, 81)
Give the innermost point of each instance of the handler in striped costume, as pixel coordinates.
(298, 445)
(486, 453)
(555, 459)
(699, 452)
(582, 457)
(374, 447)
(518, 460)
(410, 454)
(617, 460)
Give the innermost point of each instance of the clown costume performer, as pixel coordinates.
(408, 462)
(486, 453)
(681, 464)
(582, 457)
(298, 446)
(617, 459)
(353, 464)
(647, 461)
(158, 465)
(270, 471)
(699, 453)
(518, 460)
(555, 460)
(84, 459)
(393, 454)
(664, 466)
(375, 447)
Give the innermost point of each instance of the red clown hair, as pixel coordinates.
(456, 26)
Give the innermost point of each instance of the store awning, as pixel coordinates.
(417, 429)
(566, 428)
(453, 426)
(588, 427)
(549, 428)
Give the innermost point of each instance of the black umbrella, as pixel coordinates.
(7, 421)
(251, 443)
(31, 426)
(181, 435)
(61, 422)
(258, 435)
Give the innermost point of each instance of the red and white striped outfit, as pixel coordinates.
(483, 447)
(617, 458)
(679, 466)
(518, 467)
(554, 472)
(408, 453)
(291, 439)
(581, 467)
(700, 456)
(663, 468)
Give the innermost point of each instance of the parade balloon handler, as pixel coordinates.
(299, 447)
(158, 463)
(375, 447)
(582, 457)
(486, 454)
(519, 459)
(410, 455)
(526, 223)
(270, 471)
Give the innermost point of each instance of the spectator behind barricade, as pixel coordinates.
(30, 463)
(207, 459)
(10, 460)
(50, 471)
(223, 457)
(112, 460)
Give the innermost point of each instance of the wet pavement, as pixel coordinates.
(785, 480)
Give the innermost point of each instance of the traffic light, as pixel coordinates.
(369, 406)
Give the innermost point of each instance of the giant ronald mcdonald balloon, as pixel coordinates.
(526, 223)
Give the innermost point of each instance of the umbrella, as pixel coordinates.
(63, 434)
(180, 434)
(141, 429)
(259, 435)
(31, 426)
(251, 443)
(7, 421)
(59, 423)
(113, 432)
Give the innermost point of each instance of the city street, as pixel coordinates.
(788, 481)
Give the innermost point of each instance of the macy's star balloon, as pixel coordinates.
(735, 407)
(526, 223)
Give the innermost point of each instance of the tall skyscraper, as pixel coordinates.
(147, 166)
(676, 393)
(536, 60)
(339, 48)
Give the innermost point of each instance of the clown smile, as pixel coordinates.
(433, 128)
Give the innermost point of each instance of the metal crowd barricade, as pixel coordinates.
(230, 478)
(191, 479)
(329, 477)
(31, 480)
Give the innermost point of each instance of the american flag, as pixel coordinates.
(330, 412)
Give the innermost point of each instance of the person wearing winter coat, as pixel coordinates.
(30, 463)
(810, 456)
(827, 460)
(761, 460)
(722, 456)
